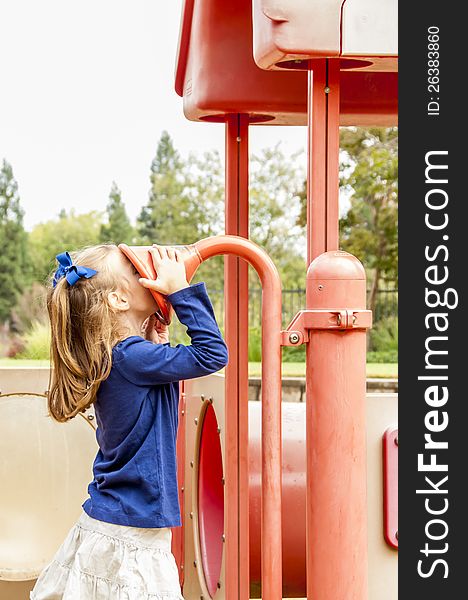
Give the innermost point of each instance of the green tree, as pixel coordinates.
(14, 265)
(118, 227)
(370, 228)
(69, 231)
(274, 213)
(369, 180)
(168, 217)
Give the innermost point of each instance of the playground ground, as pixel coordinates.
(290, 369)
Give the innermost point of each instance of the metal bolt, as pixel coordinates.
(210, 400)
(182, 489)
(191, 514)
(191, 463)
(182, 412)
(219, 584)
(238, 139)
(196, 420)
(294, 338)
(90, 417)
(320, 287)
(181, 567)
(223, 481)
(219, 429)
(327, 90)
(223, 537)
(202, 398)
(396, 441)
(195, 563)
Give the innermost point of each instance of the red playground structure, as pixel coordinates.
(280, 499)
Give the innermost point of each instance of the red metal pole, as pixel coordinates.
(236, 294)
(336, 435)
(323, 154)
(271, 403)
(336, 515)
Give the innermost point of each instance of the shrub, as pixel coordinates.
(36, 342)
(384, 335)
(383, 356)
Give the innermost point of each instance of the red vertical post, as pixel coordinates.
(336, 513)
(323, 154)
(236, 294)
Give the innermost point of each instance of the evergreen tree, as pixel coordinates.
(170, 217)
(14, 267)
(118, 228)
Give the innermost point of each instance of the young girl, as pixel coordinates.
(108, 349)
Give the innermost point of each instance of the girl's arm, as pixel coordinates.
(144, 363)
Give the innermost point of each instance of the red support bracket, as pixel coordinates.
(297, 332)
(390, 486)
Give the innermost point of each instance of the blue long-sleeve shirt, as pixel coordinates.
(135, 470)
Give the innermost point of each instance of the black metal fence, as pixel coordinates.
(293, 302)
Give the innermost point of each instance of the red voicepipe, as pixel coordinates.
(193, 256)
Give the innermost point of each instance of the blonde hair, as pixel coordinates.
(84, 329)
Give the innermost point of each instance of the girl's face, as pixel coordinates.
(135, 299)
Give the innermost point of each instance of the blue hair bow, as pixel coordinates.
(70, 271)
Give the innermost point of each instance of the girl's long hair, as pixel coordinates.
(84, 329)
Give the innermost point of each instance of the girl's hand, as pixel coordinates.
(162, 331)
(170, 270)
(154, 331)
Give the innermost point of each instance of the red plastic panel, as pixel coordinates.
(217, 76)
(390, 477)
(211, 500)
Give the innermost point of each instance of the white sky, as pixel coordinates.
(86, 88)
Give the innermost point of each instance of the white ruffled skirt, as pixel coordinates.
(104, 561)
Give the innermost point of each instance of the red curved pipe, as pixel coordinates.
(193, 256)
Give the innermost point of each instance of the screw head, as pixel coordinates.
(218, 429)
(196, 420)
(195, 563)
(223, 537)
(191, 514)
(202, 397)
(191, 463)
(294, 338)
(327, 90)
(320, 287)
(210, 400)
(218, 584)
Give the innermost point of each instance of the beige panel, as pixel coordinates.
(45, 471)
(198, 392)
(382, 413)
(24, 379)
(370, 28)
